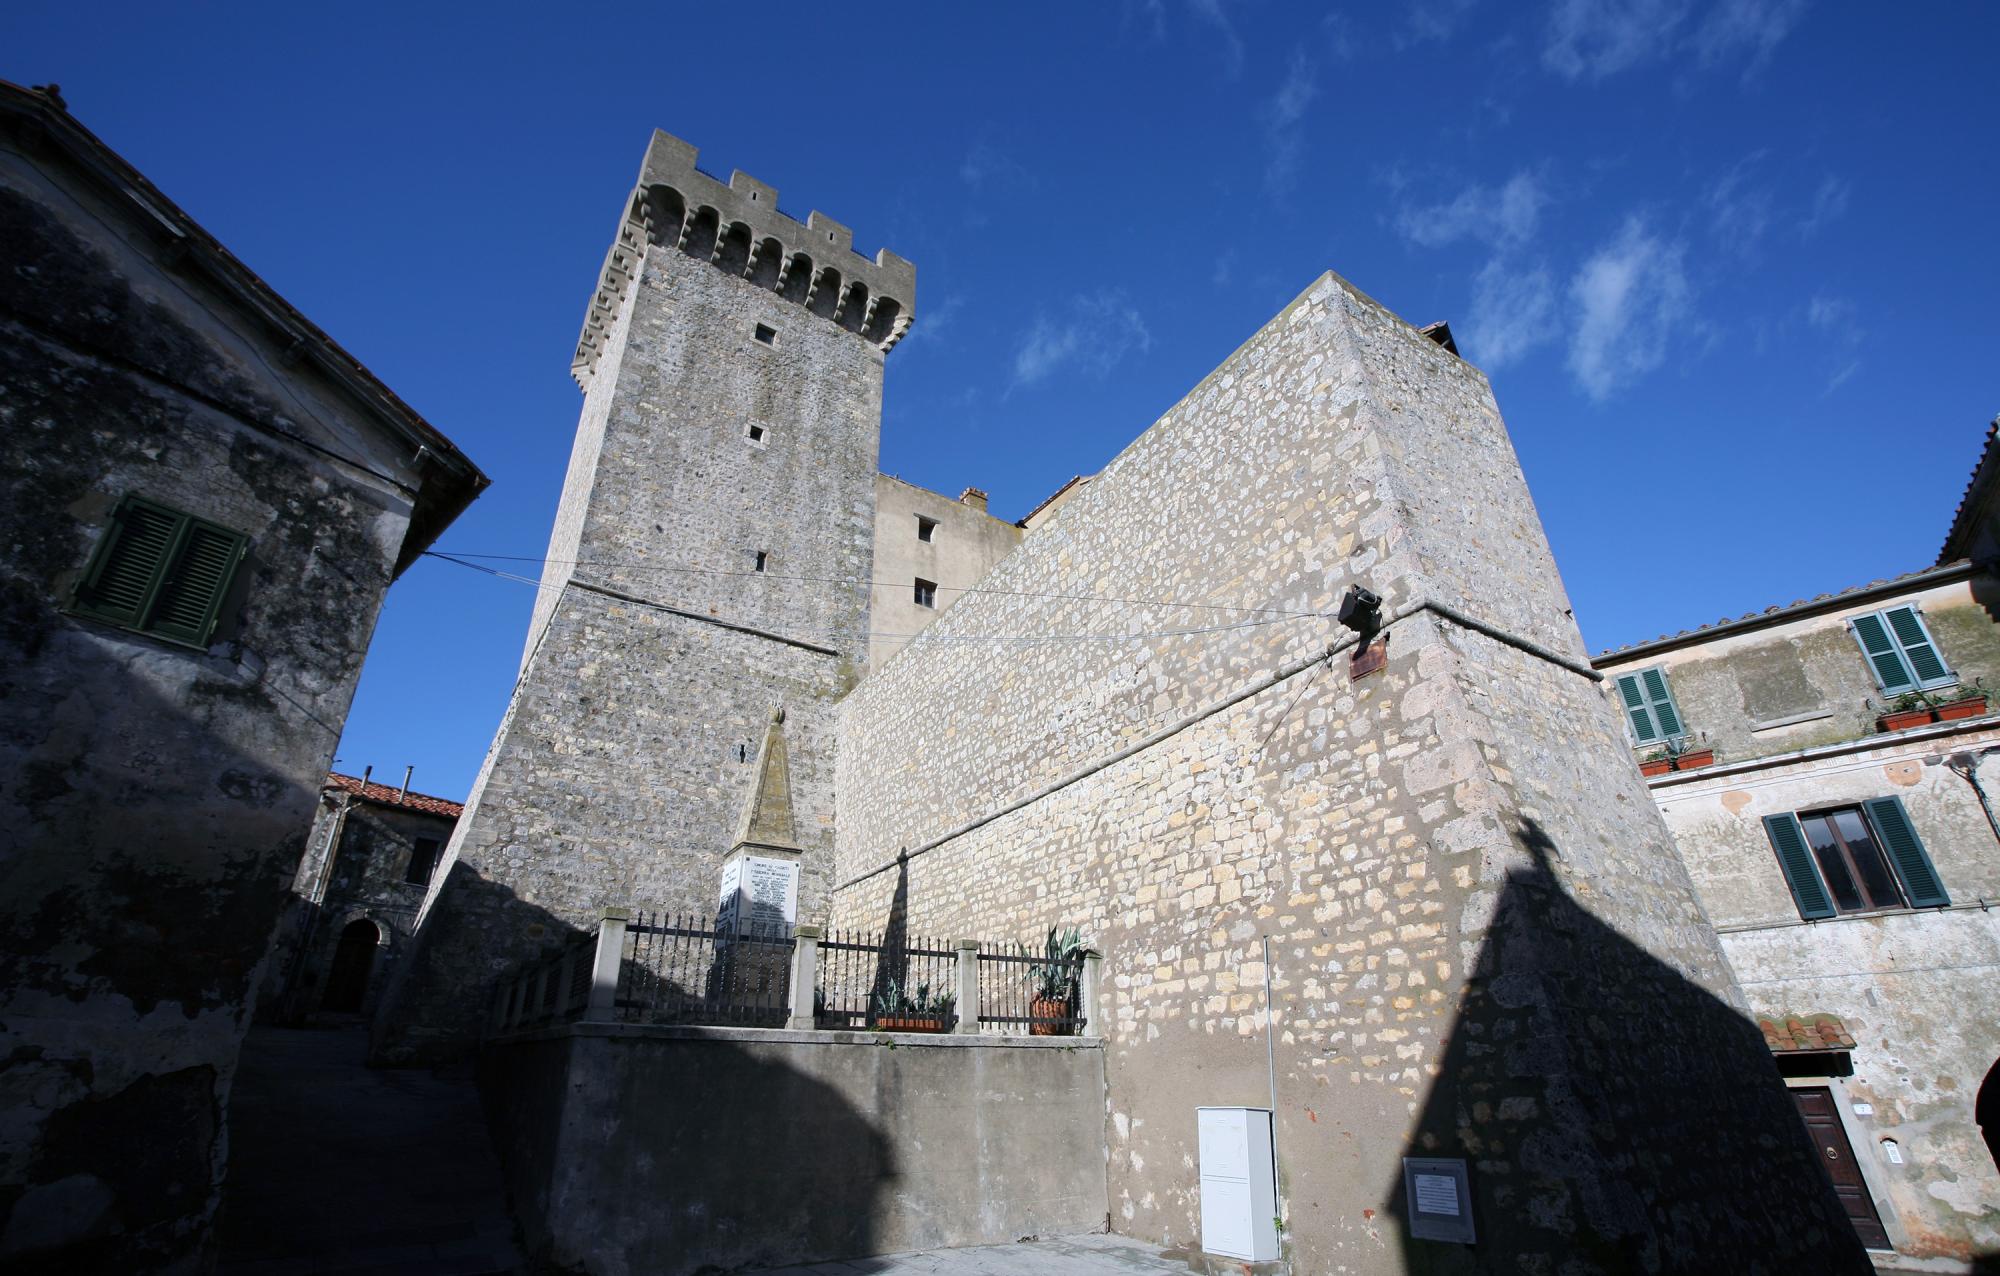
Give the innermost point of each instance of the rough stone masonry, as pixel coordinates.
(1482, 944)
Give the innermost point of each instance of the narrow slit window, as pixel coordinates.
(757, 433)
(762, 559)
(767, 334)
(926, 592)
(926, 528)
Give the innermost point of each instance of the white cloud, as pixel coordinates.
(1739, 207)
(1832, 314)
(1829, 202)
(1839, 378)
(1097, 331)
(1513, 311)
(928, 327)
(1230, 43)
(1631, 299)
(1282, 113)
(986, 164)
(1747, 27)
(1502, 217)
(1225, 268)
(1436, 20)
(1590, 39)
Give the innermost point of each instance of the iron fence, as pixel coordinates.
(680, 969)
(1021, 988)
(867, 981)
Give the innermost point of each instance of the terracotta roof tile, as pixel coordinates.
(386, 795)
(1804, 1032)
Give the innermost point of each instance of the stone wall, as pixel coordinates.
(701, 575)
(635, 1151)
(155, 796)
(1468, 900)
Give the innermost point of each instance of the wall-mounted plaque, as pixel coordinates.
(1437, 1199)
(759, 893)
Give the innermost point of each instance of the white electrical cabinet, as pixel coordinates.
(1239, 1195)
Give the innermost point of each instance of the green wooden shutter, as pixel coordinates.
(1883, 655)
(191, 596)
(1796, 859)
(1665, 714)
(1906, 852)
(1919, 652)
(1643, 730)
(121, 582)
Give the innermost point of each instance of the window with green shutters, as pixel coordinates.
(1854, 859)
(1649, 705)
(160, 572)
(1901, 651)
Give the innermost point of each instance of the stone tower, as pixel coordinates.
(708, 567)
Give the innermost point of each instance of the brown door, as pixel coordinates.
(1836, 1157)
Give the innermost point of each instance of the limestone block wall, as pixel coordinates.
(1465, 893)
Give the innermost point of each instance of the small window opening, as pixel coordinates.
(926, 592)
(742, 753)
(423, 862)
(762, 558)
(756, 434)
(767, 334)
(926, 528)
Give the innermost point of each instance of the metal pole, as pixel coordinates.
(1270, 1062)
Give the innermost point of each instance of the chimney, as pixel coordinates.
(365, 773)
(974, 497)
(404, 792)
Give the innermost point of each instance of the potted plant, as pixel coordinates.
(913, 1009)
(1052, 1009)
(1676, 755)
(1921, 708)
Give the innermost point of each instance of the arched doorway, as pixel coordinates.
(353, 961)
(1986, 1111)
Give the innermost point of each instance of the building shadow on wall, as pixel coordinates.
(1613, 1115)
(892, 967)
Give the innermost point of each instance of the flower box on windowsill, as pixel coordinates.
(1689, 761)
(1903, 719)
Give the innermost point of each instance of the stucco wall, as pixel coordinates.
(1918, 990)
(963, 548)
(154, 798)
(1468, 897)
(665, 1151)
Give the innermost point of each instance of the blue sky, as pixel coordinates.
(1729, 263)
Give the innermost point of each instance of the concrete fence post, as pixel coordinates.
(1089, 997)
(610, 958)
(968, 984)
(805, 976)
(565, 965)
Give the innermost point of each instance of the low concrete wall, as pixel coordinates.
(664, 1151)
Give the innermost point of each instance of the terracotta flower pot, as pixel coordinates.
(1904, 719)
(1694, 758)
(1970, 707)
(1655, 766)
(910, 1023)
(1051, 1017)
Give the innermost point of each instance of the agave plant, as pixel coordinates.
(894, 1002)
(1054, 976)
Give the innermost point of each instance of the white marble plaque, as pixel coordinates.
(758, 893)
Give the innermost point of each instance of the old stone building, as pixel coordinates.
(1824, 768)
(1340, 801)
(929, 549)
(203, 500)
(353, 909)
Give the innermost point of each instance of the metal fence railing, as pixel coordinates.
(1022, 990)
(681, 970)
(867, 982)
(657, 968)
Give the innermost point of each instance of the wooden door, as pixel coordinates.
(1836, 1157)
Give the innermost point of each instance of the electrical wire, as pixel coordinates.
(457, 555)
(927, 635)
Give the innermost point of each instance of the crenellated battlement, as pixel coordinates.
(737, 228)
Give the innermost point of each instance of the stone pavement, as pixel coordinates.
(1096, 1255)
(339, 1168)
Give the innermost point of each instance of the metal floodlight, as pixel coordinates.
(1360, 610)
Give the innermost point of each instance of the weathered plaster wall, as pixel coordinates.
(1801, 683)
(1919, 991)
(627, 754)
(962, 549)
(153, 798)
(662, 1151)
(1464, 887)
